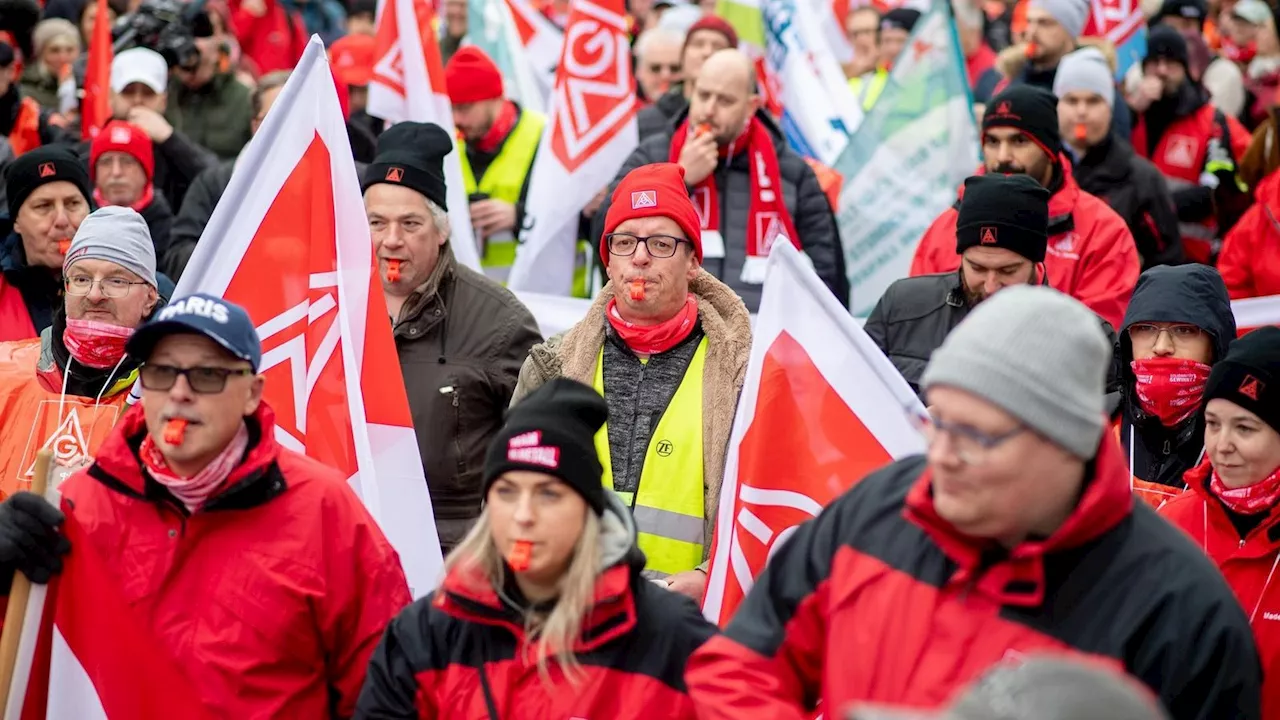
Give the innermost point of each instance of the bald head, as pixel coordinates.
(725, 95)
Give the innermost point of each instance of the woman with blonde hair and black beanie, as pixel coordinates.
(542, 612)
(1232, 506)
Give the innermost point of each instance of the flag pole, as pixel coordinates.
(19, 593)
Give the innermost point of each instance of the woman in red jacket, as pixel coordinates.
(543, 612)
(1232, 506)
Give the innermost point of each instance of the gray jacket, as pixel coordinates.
(805, 200)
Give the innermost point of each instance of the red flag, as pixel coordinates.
(95, 109)
(821, 407)
(1253, 313)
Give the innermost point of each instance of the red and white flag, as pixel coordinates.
(408, 84)
(591, 132)
(95, 109)
(821, 407)
(1253, 313)
(541, 42)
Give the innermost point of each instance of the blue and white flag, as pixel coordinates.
(907, 159)
(524, 45)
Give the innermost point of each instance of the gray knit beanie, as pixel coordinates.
(115, 234)
(1086, 69)
(1037, 354)
(1070, 14)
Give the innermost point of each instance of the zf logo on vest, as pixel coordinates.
(664, 448)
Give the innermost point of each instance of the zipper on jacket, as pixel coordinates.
(457, 424)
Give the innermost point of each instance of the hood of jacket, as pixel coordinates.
(1016, 576)
(1191, 293)
(468, 594)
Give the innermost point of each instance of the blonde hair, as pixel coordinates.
(554, 634)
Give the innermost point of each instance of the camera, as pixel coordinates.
(164, 26)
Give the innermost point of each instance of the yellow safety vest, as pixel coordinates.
(667, 506)
(866, 91)
(502, 181)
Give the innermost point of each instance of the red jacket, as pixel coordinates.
(1091, 255)
(274, 41)
(1249, 565)
(1250, 259)
(439, 652)
(879, 600)
(272, 597)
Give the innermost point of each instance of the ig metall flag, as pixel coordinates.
(903, 165)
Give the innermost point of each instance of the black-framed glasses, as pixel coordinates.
(112, 287)
(971, 446)
(659, 246)
(202, 380)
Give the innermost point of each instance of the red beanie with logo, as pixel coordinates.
(123, 137)
(471, 76)
(655, 190)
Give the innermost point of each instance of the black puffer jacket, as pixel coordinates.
(1192, 294)
(805, 201)
(656, 118)
(1137, 191)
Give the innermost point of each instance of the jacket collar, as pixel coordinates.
(1017, 576)
(255, 480)
(1261, 541)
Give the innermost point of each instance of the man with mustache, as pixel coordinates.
(666, 344)
(1091, 254)
(65, 389)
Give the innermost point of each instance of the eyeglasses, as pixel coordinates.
(202, 380)
(1149, 333)
(659, 246)
(657, 68)
(971, 446)
(112, 287)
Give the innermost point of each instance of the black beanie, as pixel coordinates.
(411, 154)
(900, 19)
(1163, 42)
(1030, 109)
(1004, 211)
(45, 164)
(553, 431)
(1196, 10)
(1249, 375)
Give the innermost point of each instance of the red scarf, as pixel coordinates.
(196, 490)
(767, 216)
(95, 344)
(1251, 499)
(654, 339)
(1170, 388)
(500, 129)
(148, 194)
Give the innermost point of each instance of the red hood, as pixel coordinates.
(1018, 579)
(468, 595)
(1063, 202)
(1259, 542)
(118, 455)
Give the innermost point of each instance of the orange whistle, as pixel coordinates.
(520, 555)
(1032, 49)
(1081, 132)
(393, 270)
(637, 289)
(702, 129)
(174, 430)
(63, 246)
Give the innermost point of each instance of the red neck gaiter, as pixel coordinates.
(148, 194)
(1170, 388)
(1250, 500)
(196, 490)
(95, 344)
(500, 129)
(654, 339)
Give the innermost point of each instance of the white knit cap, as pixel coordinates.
(1070, 14)
(1086, 69)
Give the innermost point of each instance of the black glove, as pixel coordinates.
(29, 538)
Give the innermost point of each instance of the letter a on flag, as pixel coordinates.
(820, 408)
(408, 84)
(290, 243)
(591, 132)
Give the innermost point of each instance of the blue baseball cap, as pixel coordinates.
(219, 320)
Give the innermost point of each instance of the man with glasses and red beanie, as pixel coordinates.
(666, 344)
(254, 570)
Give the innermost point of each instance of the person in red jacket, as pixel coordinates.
(1232, 506)
(1015, 534)
(256, 568)
(1091, 254)
(1250, 259)
(543, 612)
(270, 35)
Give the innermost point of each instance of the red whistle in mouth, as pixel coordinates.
(64, 246)
(521, 554)
(1081, 132)
(1032, 49)
(637, 289)
(393, 271)
(174, 430)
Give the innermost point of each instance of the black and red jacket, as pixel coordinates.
(438, 655)
(879, 600)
